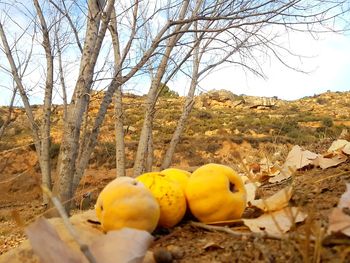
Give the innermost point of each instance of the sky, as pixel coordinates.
(325, 62)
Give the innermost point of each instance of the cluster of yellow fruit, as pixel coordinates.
(213, 193)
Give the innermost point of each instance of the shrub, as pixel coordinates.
(54, 150)
(327, 122)
(166, 92)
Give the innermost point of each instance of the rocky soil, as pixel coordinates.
(220, 125)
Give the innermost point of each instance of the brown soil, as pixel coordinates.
(316, 190)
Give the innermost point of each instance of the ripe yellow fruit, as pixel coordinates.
(171, 199)
(216, 193)
(177, 175)
(125, 202)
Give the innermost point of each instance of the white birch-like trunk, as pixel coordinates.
(64, 187)
(44, 159)
(140, 158)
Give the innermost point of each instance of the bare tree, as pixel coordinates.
(41, 134)
(8, 117)
(232, 21)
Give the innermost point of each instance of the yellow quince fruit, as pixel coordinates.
(170, 197)
(177, 175)
(216, 193)
(125, 202)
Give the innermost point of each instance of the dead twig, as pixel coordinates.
(83, 247)
(332, 176)
(236, 233)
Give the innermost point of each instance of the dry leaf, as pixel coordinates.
(346, 149)
(339, 219)
(297, 158)
(47, 244)
(125, 246)
(212, 246)
(344, 201)
(339, 222)
(337, 145)
(275, 202)
(325, 163)
(284, 174)
(276, 223)
(251, 190)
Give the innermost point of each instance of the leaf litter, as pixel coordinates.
(276, 221)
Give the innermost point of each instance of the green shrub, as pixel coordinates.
(327, 122)
(166, 92)
(54, 150)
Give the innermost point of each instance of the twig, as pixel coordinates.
(235, 233)
(83, 247)
(14, 177)
(332, 176)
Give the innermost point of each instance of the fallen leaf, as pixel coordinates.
(346, 149)
(339, 219)
(339, 222)
(275, 202)
(47, 244)
(337, 145)
(125, 246)
(284, 174)
(325, 163)
(251, 190)
(273, 171)
(344, 201)
(297, 158)
(212, 246)
(276, 223)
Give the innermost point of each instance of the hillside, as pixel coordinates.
(239, 131)
(220, 119)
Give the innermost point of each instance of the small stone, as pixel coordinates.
(176, 251)
(162, 255)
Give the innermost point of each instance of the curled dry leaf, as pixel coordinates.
(47, 244)
(284, 174)
(337, 145)
(251, 191)
(333, 160)
(212, 246)
(339, 222)
(125, 246)
(276, 223)
(339, 219)
(344, 201)
(275, 202)
(346, 149)
(298, 158)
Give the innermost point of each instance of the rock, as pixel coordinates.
(221, 95)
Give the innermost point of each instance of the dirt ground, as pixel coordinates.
(316, 191)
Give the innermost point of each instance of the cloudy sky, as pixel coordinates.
(326, 61)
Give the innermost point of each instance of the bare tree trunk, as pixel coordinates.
(119, 131)
(92, 140)
(45, 161)
(61, 73)
(9, 114)
(149, 155)
(180, 126)
(33, 125)
(140, 158)
(118, 108)
(70, 141)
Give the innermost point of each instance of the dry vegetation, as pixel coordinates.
(217, 129)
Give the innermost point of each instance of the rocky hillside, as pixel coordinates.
(220, 123)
